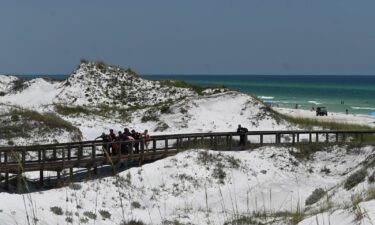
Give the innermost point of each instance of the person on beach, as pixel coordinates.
(242, 131)
(347, 111)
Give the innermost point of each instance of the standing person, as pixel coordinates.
(105, 140)
(112, 139)
(146, 137)
(121, 139)
(347, 111)
(127, 132)
(242, 131)
(112, 135)
(136, 137)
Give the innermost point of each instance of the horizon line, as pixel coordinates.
(203, 74)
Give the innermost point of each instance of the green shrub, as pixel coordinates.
(101, 65)
(84, 220)
(57, 210)
(133, 222)
(90, 215)
(15, 117)
(161, 126)
(244, 220)
(69, 219)
(10, 142)
(355, 179)
(233, 162)
(84, 61)
(183, 110)
(149, 117)
(182, 84)
(68, 110)
(19, 84)
(371, 178)
(315, 196)
(75, 186)
(136, 205)
(165, 109)
(219, 173)
(105, 214)
(370, 193)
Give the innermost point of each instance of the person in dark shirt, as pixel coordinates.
(112, 135)
(112, 139)
(242, 131)
(105, 139)
(137, 137)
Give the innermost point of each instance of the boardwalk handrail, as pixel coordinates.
(91, 154)
(186, 135)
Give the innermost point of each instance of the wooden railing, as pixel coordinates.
(60, 157)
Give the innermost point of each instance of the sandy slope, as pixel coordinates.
(187, 188)
(38, 92)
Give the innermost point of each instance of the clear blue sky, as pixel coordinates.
(189, 36)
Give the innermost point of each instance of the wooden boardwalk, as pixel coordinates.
(16, 160)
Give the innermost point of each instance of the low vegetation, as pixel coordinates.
(50, 120)
(182, 84)
(18, 85)
(315, 196)
(57, 210)
(132, 222)
(69, 110)
(90, 215)
(355, 179)
(24, 122)
(105, 214)
(244, 220)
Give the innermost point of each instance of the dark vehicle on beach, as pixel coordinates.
(321, 111)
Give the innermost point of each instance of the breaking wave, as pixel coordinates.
(366, 108)
(314, 102)
(266, 97)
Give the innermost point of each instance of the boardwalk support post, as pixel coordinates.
(166, 146)
(93, 158)
(6, 183)
(69, 158)
(142, 152)
(154, 148)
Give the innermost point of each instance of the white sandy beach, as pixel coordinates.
(332, 116)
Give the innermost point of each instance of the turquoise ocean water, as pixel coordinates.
(356, 92)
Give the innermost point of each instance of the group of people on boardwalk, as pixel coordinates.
(124, 141)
